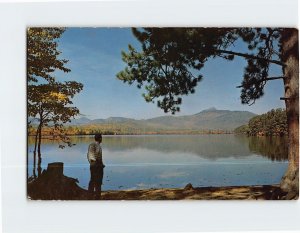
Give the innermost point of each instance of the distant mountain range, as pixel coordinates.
(209, 119)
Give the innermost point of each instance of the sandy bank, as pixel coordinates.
(67, 189)
(204, 193)
(52, 184)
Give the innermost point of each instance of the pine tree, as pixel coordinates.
(164, 64)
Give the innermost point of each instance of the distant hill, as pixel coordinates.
(209, 119)
(80, 121)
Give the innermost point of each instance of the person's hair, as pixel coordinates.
(98, 137)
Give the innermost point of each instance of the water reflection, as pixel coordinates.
(173, 160)
(274, 148)
(206, 146)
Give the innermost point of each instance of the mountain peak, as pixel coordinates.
(209, 109)
(212, 109)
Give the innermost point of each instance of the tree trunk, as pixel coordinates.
(39, 168)
(290, 56)
(34, 151)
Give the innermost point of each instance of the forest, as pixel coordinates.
(272, 123)
(121, 129)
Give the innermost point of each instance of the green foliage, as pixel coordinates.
(271, 123)
(169, 59)
(51, 104)
(243, 129)
(42, 53)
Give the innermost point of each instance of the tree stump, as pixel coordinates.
(55, 169)
(54, 185)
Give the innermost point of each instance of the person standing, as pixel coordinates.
(94, 157)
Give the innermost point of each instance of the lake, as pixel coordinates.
(155, 161)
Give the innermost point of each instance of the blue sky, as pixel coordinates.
(94, 56)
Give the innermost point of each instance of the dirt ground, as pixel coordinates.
(52, 186)
(190, 193)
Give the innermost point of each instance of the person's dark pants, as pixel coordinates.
(96, 169)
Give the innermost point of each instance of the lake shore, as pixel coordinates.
(52, 184)
(66, 188)
(265, 192)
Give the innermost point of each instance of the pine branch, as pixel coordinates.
(249, 56)
(265, 80)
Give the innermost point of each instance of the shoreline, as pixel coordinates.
(68, 189)
(52, 184)
(256, 192)
(143, 134)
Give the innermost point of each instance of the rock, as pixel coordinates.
(188, 186)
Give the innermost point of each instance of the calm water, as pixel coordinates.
(140, 162)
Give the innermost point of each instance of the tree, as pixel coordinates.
(168, 58)
(47, 99)
(51, 105)
(243, 129)
(43, 54)
(272, 123)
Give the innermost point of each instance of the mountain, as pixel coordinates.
(117, 119)
(221, 119)
(208, 119)
(80, 121)
(85, 120)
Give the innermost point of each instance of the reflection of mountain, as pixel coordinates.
(206, 146)
(210, 119)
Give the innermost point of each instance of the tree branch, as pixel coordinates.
(287, 98)
(249, 56)
(265, 80)
(45, 115)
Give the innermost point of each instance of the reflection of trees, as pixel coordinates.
(274, 148)
(206, 146)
